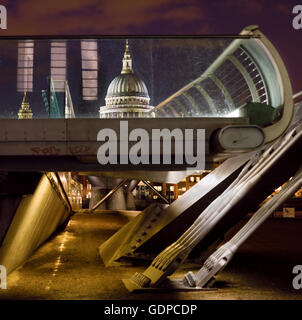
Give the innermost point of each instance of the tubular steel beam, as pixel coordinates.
(222, 256)
(247, 78)
(111, 192)
(63, 191)
(269, 168)
(155, 191)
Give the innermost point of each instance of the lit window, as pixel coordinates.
(58, 65)
(89, 52)
(25, 66)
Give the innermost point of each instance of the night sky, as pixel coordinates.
(161, 17)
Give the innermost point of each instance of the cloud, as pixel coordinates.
(284, 8)
(247, 7)
(99, 16)
(181, 15)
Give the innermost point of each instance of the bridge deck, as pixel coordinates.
(71, 144)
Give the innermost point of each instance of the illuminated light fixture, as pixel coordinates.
(234, 114)
(89, 52)
(58, 64)
(25, 66)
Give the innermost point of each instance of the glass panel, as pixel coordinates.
(73, 77)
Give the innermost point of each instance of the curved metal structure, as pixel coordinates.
(248, 75)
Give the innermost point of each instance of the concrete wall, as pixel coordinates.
(36, 218)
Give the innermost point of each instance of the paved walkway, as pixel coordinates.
(68, 265)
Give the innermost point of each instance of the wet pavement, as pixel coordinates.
(68, 266)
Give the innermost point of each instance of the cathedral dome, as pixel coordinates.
(127, 84)
(127, 94)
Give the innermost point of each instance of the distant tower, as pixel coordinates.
(127, 95)
(25, 111)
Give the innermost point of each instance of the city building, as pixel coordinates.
(127, 95)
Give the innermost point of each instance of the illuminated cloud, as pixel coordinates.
(247, 7)
(284, 8)
(102, 17)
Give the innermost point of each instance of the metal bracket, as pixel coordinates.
(167, 286)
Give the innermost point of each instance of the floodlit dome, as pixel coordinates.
(127, 84)
(127, 94)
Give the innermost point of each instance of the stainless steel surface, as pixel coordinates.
(261, 169)
(35, 220)
(154, 220)
(71, 144)
(222, 256)
(260, 76)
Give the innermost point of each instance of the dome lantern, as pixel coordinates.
(127, 61)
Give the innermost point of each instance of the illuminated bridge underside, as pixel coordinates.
(248, 71)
